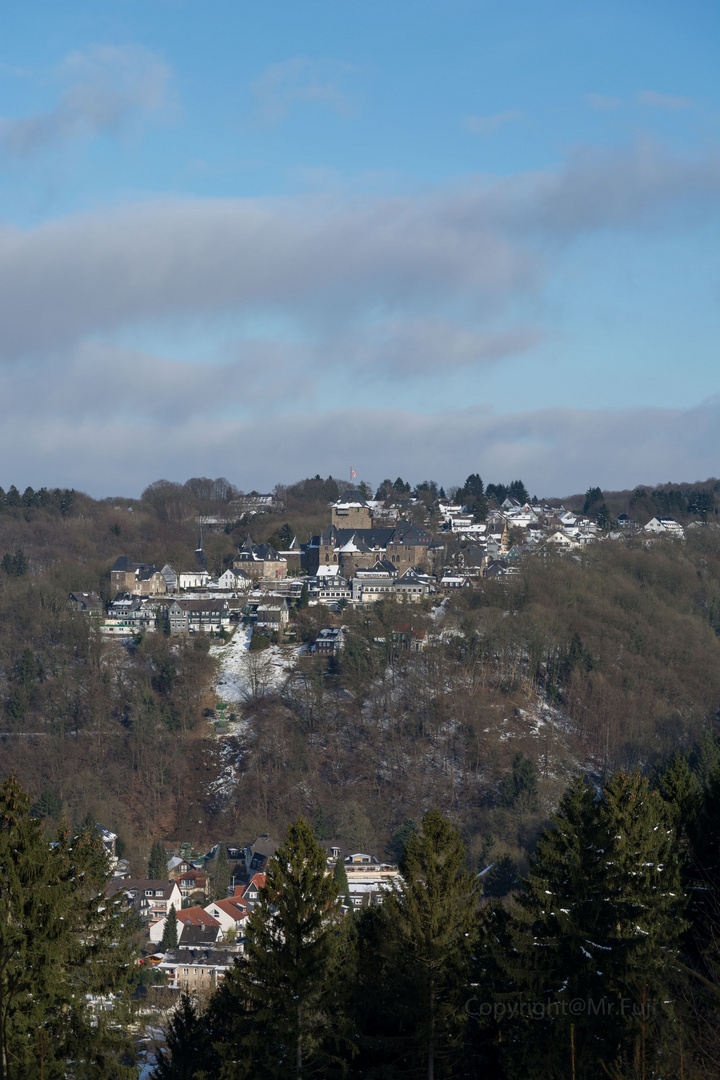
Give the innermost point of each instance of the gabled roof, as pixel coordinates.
(258, 880)
(140, 885)
(408, 533)
(195, 936)
(264, 845)
(196, 916)
(236, 908)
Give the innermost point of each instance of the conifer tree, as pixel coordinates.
(599, 923)
(428, 939)
(282, 992)
(221, 873)
(186, 1049)
(157, 863)
(60, 941)
(341, 883)
(170, 934)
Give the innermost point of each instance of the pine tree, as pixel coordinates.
(157, 864)
(341, 883)
(170, 934)
(400, 838)
(282, 992)
(186, 1047)
(599, 922)
(60, 941)
(428, 939)
(221, 872)
(304, 597)
(320, 825)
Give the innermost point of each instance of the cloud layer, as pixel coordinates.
(555, 451)
(389, 292)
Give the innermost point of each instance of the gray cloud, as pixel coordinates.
(427, 346)
(556, 451)
(326, 266)
(103, 87)
(128, 385)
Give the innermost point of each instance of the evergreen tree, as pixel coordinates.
(321, 829)
(602, 516)
(599, 922)
(282, 992)
(170, 934)
(186, 1049)
(428, 940)
(221, 872)
(60, 941)
(679, 788)
(157, 863)
(502, 878)
(304, 600)
(517, 490)
(520, 785)
(592, 495)
(399, 839)
(341, 883)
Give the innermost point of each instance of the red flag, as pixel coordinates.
(353, 473)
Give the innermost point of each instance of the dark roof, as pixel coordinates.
(146, 572)
(407, 533)
(351, 495)
(404, 533)
(264, 846)
(139, 885)
(201, 605)
(266, 553)
(410, 576)
(195, 937)
(122, 564)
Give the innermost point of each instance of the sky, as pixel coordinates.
(265, 241)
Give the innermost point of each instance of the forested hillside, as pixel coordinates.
(603, 661)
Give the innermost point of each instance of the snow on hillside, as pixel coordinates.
(246, 676)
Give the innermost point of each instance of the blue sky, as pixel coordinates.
(425, 239)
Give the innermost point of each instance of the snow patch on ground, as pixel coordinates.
(247, 676)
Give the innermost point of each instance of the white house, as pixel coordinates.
(236, 580)
(193, 579)
(562, 540)
(665, 526)
(229, 913)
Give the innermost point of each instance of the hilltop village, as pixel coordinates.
(370, 548)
